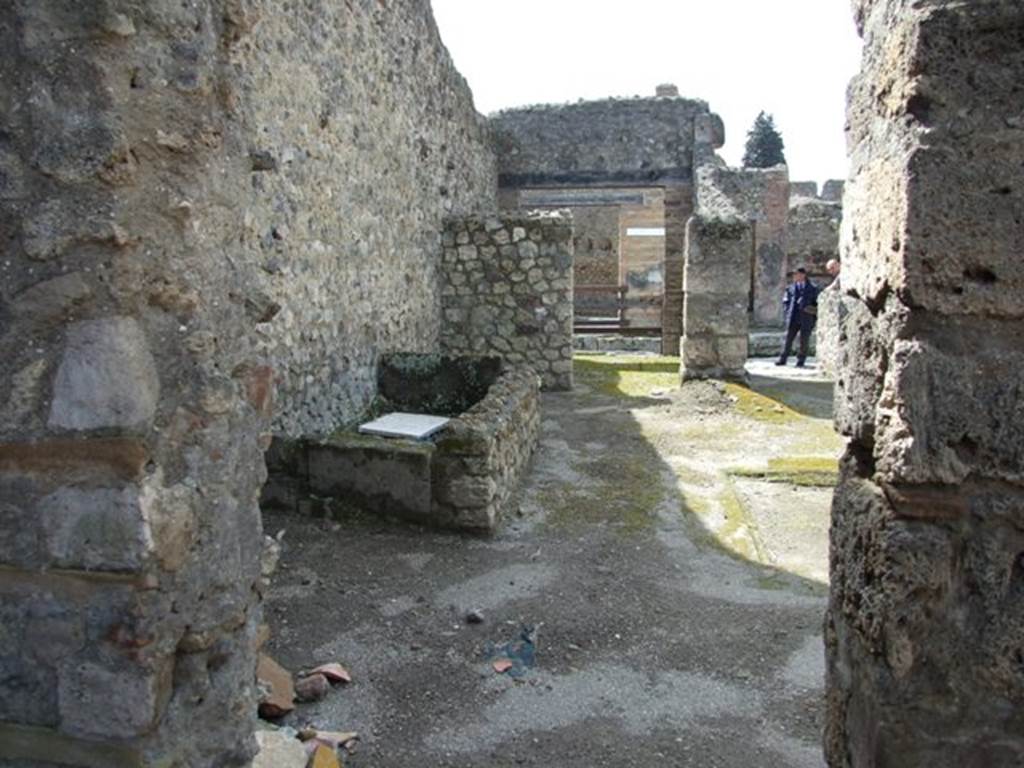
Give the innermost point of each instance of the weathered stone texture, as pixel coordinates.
(828, 331)
(925, 615)
(462, 478)
(198, 204)
(762, 197)
(812, 237)
(507, 291)
(715, 298)
(368, 158)
(639, 140)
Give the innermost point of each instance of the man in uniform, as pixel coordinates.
(800, 309)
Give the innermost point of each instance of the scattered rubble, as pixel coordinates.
(312, 688)
(277, 691)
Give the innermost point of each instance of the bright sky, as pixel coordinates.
(791, 58)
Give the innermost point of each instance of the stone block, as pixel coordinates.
(392, 476)
(715, 314)
(99, 702)
(107, 377)
(95, 530)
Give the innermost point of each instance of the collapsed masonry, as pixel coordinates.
(213, 232)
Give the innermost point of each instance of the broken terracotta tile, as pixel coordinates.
(324, 757)
(336, 738)
(333, 672)
(277, 692)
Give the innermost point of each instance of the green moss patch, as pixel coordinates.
(623, 491)
(805, 471)
(754, 405)
(619, 376)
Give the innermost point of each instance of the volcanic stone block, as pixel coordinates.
(95, 529)
(107, 377)
(925, 612)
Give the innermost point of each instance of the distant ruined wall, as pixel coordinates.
(596, 245)
(507, 291)
(199, 201)
(639, 142)
(812, 237)
(624, 141)
(926, 615)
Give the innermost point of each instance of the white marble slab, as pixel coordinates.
(416, 426)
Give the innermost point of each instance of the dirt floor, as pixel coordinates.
(669, 558)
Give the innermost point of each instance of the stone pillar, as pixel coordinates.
(715, 296)
(926, 614)
(130, 405)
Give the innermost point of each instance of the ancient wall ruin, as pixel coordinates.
(638, 142)
(812, 237)
(926, 617)
(200, 204)
(507, 291)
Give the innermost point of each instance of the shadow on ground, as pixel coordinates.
(677, 601)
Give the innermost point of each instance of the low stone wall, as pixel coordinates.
(715, 298)
(462, 479)
(506, 290)
(481, 455)
(599, 342)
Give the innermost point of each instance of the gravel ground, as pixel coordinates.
(677, 611)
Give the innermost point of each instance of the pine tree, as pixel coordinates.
(764, 144)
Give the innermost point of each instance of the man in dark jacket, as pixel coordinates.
(800, 308)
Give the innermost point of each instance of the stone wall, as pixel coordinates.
(198, 203)
(828, 331)
(482, 455)
(832, 190)
(361, 164)
(812, 237)
(507, 291)
(634, 141)
(762, 197)
(715, 294)
(925, 617)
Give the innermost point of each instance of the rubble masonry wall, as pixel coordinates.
(925, 616)
(507, 291)
(201, 202)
